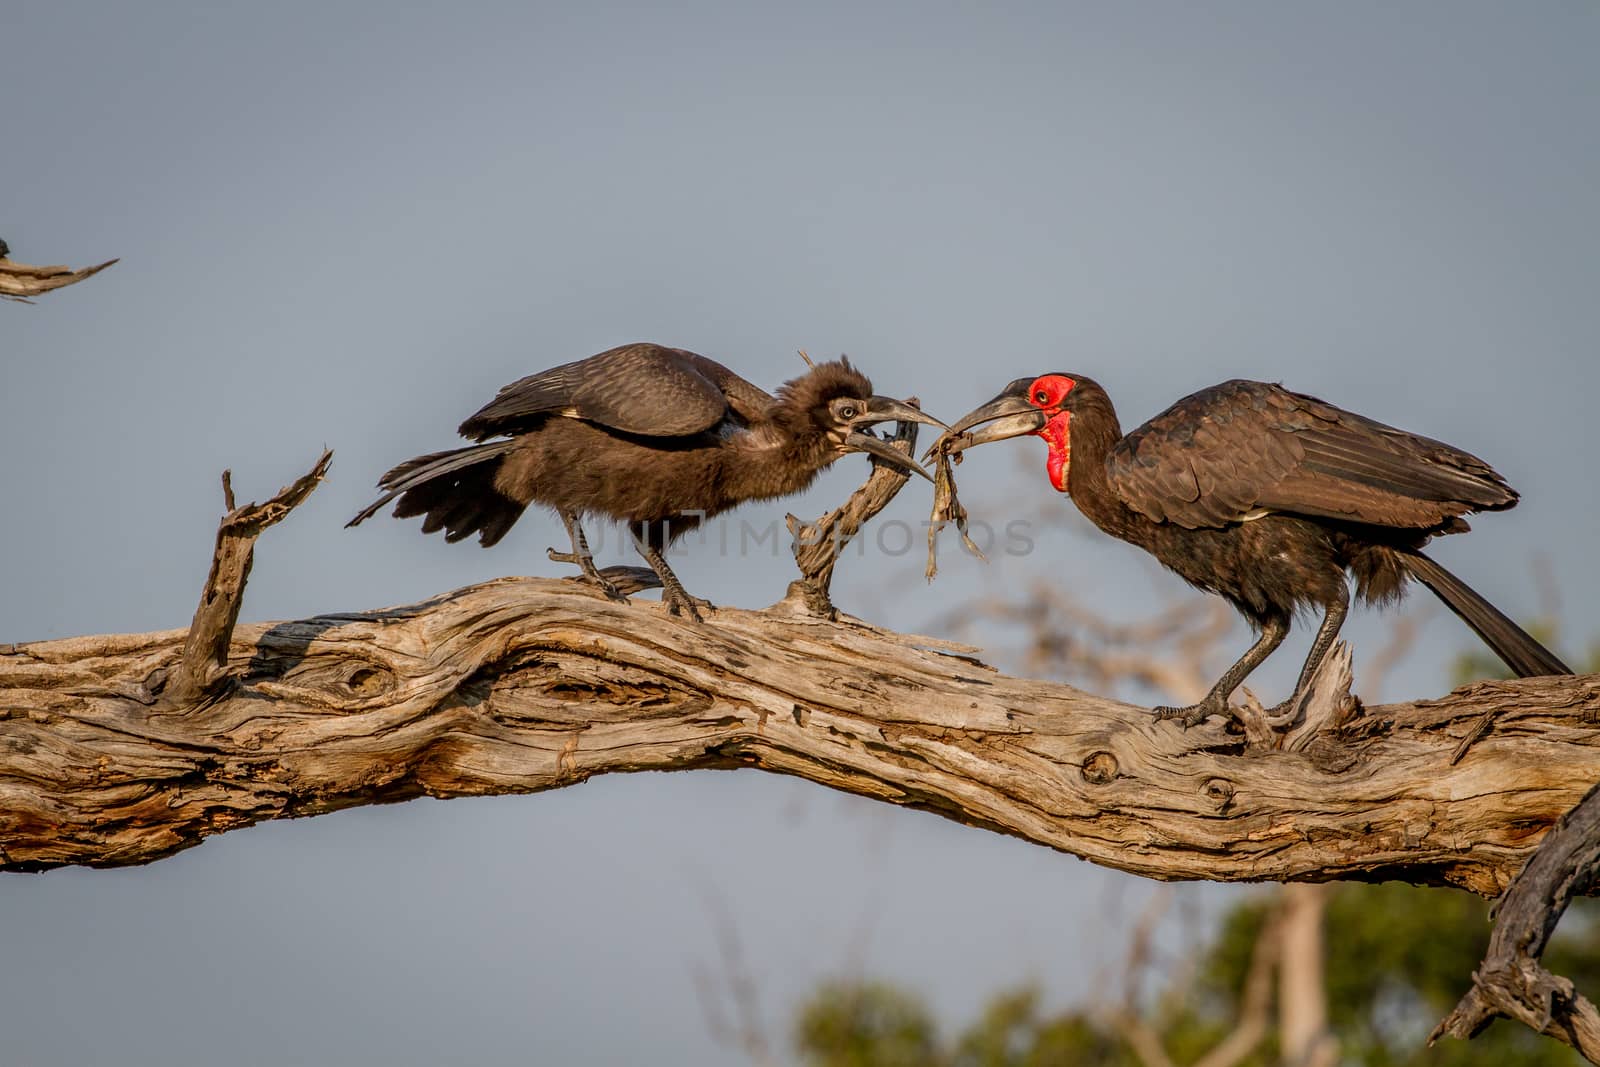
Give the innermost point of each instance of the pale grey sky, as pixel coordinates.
(349, 223)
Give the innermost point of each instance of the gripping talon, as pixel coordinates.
(590, 575)
(686, 605)
(1193, 714)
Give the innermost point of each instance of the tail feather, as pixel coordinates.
(454, 490)
(1521, 652)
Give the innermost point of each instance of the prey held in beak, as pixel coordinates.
(1009, 415)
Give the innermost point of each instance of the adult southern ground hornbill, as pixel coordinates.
(1266, 498)
(659, 438)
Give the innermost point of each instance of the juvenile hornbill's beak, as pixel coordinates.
(887, 409)
(1015, 415)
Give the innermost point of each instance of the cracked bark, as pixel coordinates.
(122, 749)
(521, 685)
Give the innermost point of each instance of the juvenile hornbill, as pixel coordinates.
(1266, 498)
(658, 438)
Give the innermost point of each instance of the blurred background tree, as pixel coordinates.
(1397, 960)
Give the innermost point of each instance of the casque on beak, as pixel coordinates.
(887, 409)
(1015, 415)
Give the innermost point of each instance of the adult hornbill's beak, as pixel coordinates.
(1015, 415)
(886, 409)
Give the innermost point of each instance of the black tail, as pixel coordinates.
(1510, 642)
(455, 490)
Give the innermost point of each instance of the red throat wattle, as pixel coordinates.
(1057, 435)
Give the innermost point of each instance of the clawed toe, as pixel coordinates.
(605, 586)
(590, 575)
(687, 605)
(1192, 714)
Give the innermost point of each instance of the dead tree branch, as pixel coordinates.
(817, 544)
(122, 749)
(522, 685)
(18, 281)
(202, 669)
(1511, 981)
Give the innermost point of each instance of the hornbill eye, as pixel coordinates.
(848, 411)
(1041, 397)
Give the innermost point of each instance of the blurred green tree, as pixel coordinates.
(1399, 960)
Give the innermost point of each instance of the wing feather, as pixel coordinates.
(1229, 451)
(641, 388)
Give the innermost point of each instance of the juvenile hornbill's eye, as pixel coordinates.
(848, 411)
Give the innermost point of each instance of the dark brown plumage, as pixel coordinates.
(658, 438)
(1269, 499)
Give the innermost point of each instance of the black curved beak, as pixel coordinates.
(877, 446)
(887, 408)
(1016, 417)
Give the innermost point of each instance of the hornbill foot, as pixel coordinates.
(679, 602)
(590, 576)
(1195, 714)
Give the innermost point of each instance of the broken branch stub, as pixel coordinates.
(817, 545)
(202, 668)
(19, 281)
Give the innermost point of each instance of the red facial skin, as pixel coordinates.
(1048, 393)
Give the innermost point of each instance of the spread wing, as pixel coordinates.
(1241, 448)
(641, 388)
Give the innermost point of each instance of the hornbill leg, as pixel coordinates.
(1273, 631)
(581, 555)
(1332, 620)
(673, 595)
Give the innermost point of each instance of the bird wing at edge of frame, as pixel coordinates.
(645, 389)
(1242, 448)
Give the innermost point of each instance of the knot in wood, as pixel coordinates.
(1219, 791)
(1100, 768)
(369, 679)
(330, 680)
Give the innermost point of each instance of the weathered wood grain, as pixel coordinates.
(122, 749)
(522, 685)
